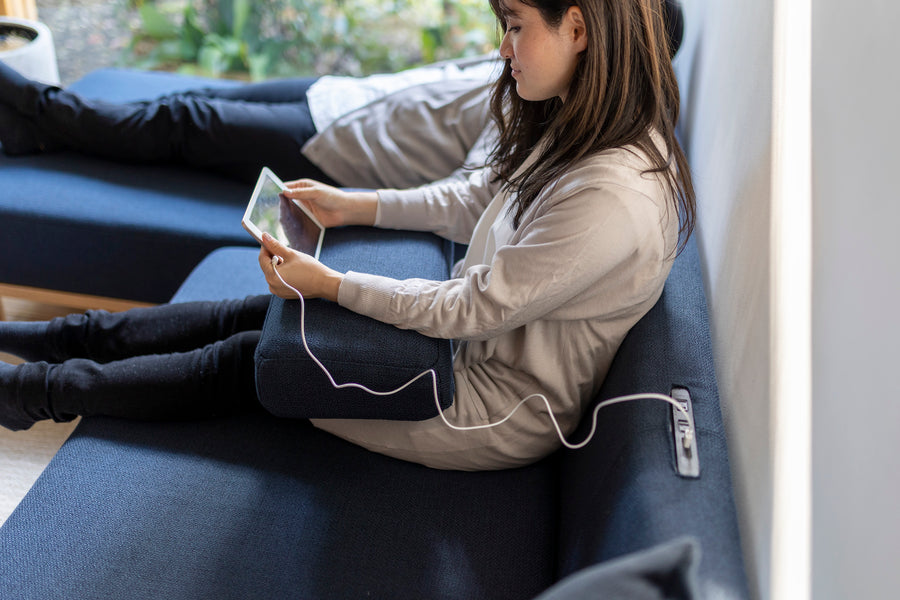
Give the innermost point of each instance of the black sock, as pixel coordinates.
(11, 85)
(23, 393)
(21, 93)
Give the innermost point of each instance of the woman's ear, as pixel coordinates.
(574, 21)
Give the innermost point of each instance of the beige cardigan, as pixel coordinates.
(537, 309)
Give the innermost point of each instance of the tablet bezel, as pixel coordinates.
(267, 175)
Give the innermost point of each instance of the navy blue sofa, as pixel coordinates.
(264, 507)
(73, 224)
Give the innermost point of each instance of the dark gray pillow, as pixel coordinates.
(663, 572)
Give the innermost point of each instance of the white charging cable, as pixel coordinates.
(689, 434)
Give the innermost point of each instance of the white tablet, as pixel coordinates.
(287, 220)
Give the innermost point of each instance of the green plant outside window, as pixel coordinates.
(280, 38)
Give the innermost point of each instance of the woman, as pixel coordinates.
(572, 231)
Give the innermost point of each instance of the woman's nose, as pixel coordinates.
(505, 47)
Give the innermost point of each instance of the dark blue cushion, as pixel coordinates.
(73, 223)
(127, 85)
(226, 273)
(355, 348)
(624, 482)
(259, 507)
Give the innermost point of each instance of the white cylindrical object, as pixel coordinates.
(37, 58)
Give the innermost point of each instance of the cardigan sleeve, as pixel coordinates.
(568, 251)
(450, 208)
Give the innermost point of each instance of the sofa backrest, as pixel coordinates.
(621, 493)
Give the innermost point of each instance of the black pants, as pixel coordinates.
(172, 362)
(232, 131)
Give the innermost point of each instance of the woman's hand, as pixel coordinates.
(309, 276)
(332, 206)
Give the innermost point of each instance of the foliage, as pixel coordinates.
(266, 38)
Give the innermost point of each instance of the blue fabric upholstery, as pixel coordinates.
(225, 273)
(627, 474)
(356, 348)
(263, 507)
(92, 227)
(127, 85)
(259, 507)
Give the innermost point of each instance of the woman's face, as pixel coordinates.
(542, 58)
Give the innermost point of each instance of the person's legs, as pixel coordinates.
(103, 336)
(233, 131)
(213, 381)
(274, 91)
(20, 136)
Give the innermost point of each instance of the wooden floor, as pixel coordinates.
(16, 309)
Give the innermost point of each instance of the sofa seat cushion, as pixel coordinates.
(230, 272)
(259, 507)
(132, 231)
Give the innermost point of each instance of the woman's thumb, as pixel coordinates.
(271, 244)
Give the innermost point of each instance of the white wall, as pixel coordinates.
(856, 300)
(725, 71)
(726, 74)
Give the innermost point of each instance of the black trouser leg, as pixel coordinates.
(233, 131)
(214, 381)
(180, 327)
(16, 90)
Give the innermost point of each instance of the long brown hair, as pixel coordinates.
(623, 88)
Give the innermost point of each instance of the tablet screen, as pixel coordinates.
(287, 221)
